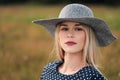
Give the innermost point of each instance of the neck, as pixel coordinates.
(73, 62)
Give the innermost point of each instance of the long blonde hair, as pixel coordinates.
(90, 51)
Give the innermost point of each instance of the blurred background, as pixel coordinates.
(25, 48)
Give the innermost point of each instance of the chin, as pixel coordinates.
(72, 51)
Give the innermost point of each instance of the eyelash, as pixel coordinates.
(76, 29)
(64, 29)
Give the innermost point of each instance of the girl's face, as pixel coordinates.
(72, 37)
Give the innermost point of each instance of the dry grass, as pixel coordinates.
(25, 47)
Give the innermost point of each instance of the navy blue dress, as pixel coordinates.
(51, 72)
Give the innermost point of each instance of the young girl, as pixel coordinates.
(78, 35)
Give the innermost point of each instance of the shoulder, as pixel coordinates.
(96, 74)
(52, 65)
(49, 69)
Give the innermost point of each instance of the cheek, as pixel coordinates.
(61, 36)
(62, 39)
(82, 38)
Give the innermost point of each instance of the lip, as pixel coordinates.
(70, 43)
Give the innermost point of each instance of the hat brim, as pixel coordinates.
(100, 28)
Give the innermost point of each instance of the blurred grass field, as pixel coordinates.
(25, 47)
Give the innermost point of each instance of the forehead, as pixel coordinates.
(67, 23)
(71, 22)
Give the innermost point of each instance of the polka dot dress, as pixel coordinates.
(50, 72)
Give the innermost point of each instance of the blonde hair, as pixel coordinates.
(90, 51)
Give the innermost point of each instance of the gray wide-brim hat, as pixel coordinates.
(83, 14)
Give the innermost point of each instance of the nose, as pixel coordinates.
(70, 34)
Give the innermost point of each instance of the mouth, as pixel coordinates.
(70, 43)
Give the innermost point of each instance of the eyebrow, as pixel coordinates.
(62, 24)
(77, 24)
